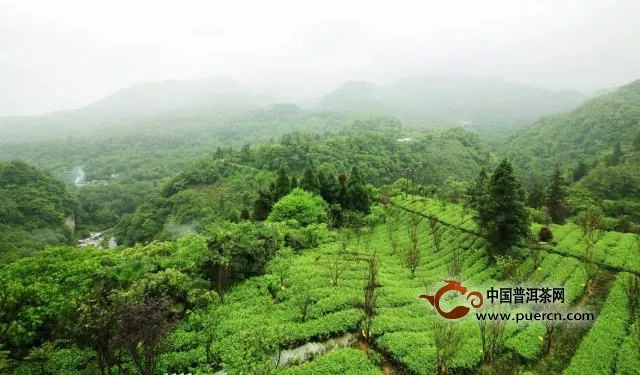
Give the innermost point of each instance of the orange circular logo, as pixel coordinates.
(458, 311)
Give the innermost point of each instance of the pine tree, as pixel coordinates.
(282, 185)
(219, 153)
(581, 170)
(245, 153)
(341, 191)
(503, 218)
(555, 198)
(478, 190)
(310, 181)
(328, 187)
(262, 206)
(536, 197)
(617, 155)
(358, 196)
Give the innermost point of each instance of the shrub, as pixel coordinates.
(545, 234)
(507, 266)
(610, 224)
(352, 219)
(625, 224)
(298, 237)
(304, 207)
(539, 215)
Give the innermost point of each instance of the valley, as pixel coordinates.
(299, 241)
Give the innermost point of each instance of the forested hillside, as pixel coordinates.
(33, 207)
(157, 147)
(585, 134)
(228, 182)
(597, 146)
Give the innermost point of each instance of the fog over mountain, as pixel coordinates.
(71, 53)
(441, 100)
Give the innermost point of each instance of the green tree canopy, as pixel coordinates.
(357, 194)
(300, 205)
(33, 206)
(309, 181)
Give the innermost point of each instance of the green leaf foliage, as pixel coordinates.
(301, 206)
(33, 207)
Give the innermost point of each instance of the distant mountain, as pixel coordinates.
(453, 100)
(132, 107)
(584, 134)
(481, 104)
(156, 97)
(603, 91)
(354, 97)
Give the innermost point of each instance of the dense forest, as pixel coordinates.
(33, 208)
(597, 147)
(276, 239)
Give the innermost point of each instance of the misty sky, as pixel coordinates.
(69, 53)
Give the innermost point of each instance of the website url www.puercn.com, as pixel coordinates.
(537, 317)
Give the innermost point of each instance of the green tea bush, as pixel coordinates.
(628, 359)
(338, 362)
(597, 351)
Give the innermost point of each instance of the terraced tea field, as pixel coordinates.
(309, 304)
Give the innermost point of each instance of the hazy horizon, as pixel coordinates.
(69, 53)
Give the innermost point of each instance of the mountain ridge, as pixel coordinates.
(584, 134)
(455, 100)
(425, 101)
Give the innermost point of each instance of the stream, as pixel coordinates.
(309, 351)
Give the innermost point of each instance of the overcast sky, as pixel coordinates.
(68, 53)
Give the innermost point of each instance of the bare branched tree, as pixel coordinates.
(492, 337)
(392, 229)
(591, 225)
(447, 339)
(435, 232)
(413, 254)
(455, 265)
(144, 328)
(370, 296)
(550, 326)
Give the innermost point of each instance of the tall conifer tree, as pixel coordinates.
(503, 218)
(555, 198)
